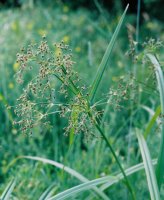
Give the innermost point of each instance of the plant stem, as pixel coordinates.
(138, 22)
(114, 155)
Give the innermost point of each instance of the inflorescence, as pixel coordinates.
(38, 100)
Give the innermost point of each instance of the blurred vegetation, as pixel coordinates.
(87, 32)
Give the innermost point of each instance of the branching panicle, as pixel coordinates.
(38, 99)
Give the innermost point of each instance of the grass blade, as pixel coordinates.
(150, 174)
(152, 121)
(48, 192)
(82, 187)
(7, 192)
(160, 80)
(107, 180)
(129, 171)
(105, 59)
(66, 169)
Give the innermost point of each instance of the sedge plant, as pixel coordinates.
(39, 102)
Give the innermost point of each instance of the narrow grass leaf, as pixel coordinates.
(66, 169)
(148, 109)
(160, 80)
(129, 171)
(48, 192)
(7, 192)
(82, 187)
(150, 174)
(107, 181)
(105, 59)
(152, 121)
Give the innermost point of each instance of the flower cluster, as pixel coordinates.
(127, 90)
(152, 45)
(38, 100)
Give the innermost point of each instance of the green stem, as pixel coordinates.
(71, 82)
(96, 123)
(114, 155)
(138, 21)
(70, 86)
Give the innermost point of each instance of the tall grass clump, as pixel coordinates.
(38, 99)
(56, 89)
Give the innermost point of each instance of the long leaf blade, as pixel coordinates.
(48, 192)
(152, 121)
(68, 170)
(160, 80)
(150, 174)
(8, 190)
(107, 180)
(85, 186)
(105, 59)
(129, 171)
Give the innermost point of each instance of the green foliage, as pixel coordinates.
(8, 190)
(160, 80)
(150, 173)
(49, 191)
(105, 59)
(53, 107)
(31, 101)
